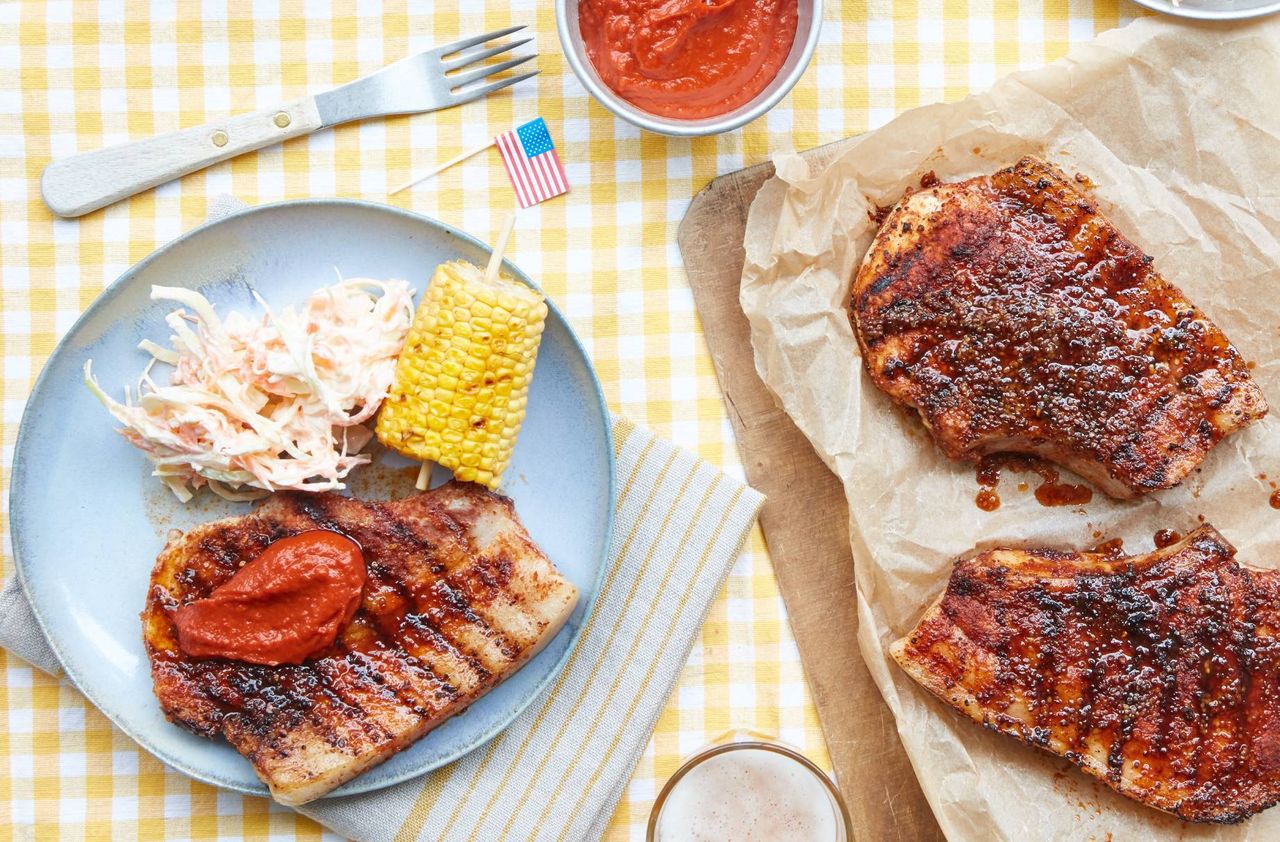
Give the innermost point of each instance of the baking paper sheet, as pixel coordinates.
(1178, 126)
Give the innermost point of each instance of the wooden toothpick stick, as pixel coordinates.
(495, 259)
(439, 168)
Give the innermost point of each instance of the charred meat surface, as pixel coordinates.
(456, 599)
(1014, 317)
(1159, 674)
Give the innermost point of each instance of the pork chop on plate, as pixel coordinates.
(457, 597)
(1013, 316)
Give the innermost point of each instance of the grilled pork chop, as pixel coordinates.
(1158, 674)
(1014, 317)
(457, 598)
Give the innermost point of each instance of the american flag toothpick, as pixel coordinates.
(530, 158)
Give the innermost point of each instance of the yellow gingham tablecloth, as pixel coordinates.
(75, 76)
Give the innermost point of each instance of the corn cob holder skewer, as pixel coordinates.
(462, 379)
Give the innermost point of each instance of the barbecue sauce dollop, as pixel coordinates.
(285, 606)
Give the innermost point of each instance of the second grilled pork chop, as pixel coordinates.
(457, 598)
(1157, 673)
(1014, 317)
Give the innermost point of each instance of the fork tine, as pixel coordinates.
(472, 58)
(476, 93)
(463, 43)
(470, 76)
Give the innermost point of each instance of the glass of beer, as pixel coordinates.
(748, 790)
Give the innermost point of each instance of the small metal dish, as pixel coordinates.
(1213, 9)
(808, 26)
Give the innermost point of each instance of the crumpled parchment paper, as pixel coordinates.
(1178, 126)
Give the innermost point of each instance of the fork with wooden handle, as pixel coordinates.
(438, 78)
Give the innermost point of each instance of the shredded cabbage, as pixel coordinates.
(276, 403)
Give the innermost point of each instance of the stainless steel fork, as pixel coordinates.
(438, 78)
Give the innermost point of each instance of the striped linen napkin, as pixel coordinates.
(559, 769)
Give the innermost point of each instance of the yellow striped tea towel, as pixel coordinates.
(558, 770)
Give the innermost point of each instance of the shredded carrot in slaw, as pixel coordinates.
(254, 406)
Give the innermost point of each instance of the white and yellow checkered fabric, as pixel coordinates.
(75, 76)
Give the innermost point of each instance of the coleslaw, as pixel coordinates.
(280, 402)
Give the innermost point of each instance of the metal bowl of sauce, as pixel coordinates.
(749, 791)
(689, 68)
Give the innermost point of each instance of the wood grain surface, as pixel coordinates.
(805, 523)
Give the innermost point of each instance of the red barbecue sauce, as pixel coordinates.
(687, 58)
(285, 606)
(1051, 491)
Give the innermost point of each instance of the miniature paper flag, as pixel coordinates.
(532, 163)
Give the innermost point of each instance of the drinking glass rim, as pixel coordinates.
(706, 754)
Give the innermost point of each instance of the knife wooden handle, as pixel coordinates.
(82, 183)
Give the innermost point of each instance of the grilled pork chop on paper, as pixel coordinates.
(457, 598)
(1014, 317)
(1159, 674)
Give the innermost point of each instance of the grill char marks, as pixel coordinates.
(1014, 317)
(457, 598)
(1158, 673)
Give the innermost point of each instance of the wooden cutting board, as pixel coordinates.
(805, 523)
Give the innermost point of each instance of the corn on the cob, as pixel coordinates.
(462, 379)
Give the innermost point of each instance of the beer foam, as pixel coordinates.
(749, 795)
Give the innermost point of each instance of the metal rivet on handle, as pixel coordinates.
(219, 138)
(283, 120)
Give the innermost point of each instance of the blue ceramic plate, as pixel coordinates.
(87, 518)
